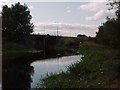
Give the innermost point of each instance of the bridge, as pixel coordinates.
(44, 44)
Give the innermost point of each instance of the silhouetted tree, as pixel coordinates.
(82, 38)
(109, 33)
(16, 25)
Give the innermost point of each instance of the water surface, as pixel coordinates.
(24, 72)
(54, 65)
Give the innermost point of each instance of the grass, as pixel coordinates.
(99, 67)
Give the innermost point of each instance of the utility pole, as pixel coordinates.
(58, 50)
(44, 29)
(44, 41)
(44, 45)
(70, 33)
(57, 29)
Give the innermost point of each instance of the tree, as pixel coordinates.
(109, 33)
(16, 25)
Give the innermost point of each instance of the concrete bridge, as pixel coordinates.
(44, 44)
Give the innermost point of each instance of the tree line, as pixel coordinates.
(109, 32)
(16, 25)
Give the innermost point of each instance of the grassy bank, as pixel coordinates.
(99, 68)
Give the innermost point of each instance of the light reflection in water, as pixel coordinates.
(42, 67)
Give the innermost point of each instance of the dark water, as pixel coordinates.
(0, 70)
(24, 72)
(16, 73)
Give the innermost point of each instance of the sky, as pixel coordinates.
(68, 17)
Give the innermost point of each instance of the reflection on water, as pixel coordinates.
(18, 73)
(0, 70)
(41, 68)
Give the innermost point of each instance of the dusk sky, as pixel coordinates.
(71, 18)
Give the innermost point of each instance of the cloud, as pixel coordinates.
(4, 1)
(63, 26)
(102, 14)
(64, 29)
(97, 0)
(68, 10)
(99, 9)
(67, 7)
(93, 6)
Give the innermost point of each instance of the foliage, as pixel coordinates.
(99, 66)
(109, 33)
(16, 25)
(82, 37)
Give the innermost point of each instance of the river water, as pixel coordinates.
(54, 65)
(25, 72)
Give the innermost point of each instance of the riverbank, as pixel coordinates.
(100, 68)
(11, 50)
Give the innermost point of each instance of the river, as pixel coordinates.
(25, 72)
(54, 65)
